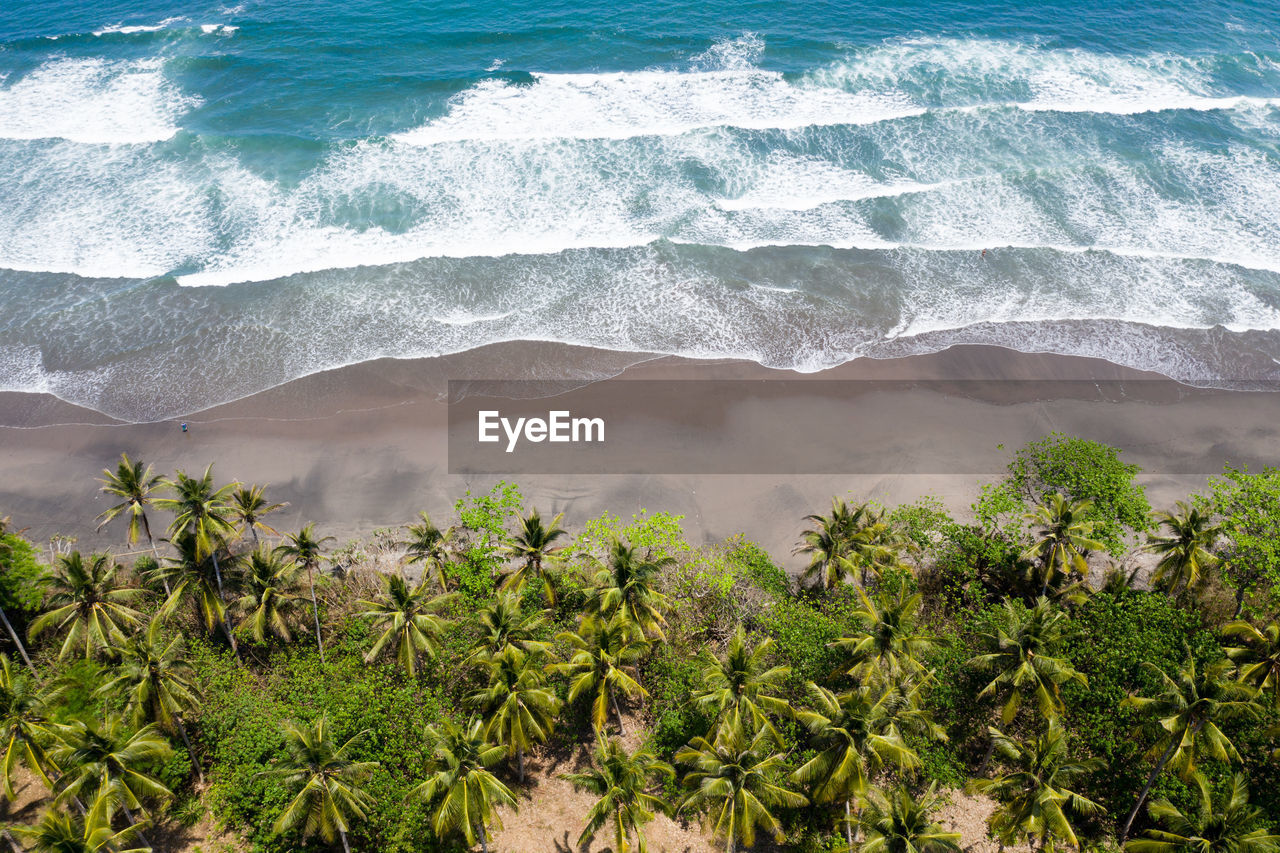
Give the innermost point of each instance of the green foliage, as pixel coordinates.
(1249, 506)
(671, 680)
(753, 564)
(1085, 470)
(20, 573)
(485, 517)
(659, 534)
(924, 523)
(804, 628)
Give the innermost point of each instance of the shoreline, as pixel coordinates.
(365, 446)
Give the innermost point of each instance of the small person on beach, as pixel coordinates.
(184, 426)
(984, 254)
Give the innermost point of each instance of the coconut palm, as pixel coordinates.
(850, 538)
(896, 822)
(24, 725)
(431, 546)
(1060, 540)
(740, 687)
(1257, 657)
(87, 607)
(503, 624)
(1036, 797)
(517, 704)
(463, 792)
(621, 780)
(1185, 551)
(602, 666)
(156, 683)
(192, 578)
(248, 506)
(107, 756)
(625, 588)
(534, 543)
(1188, 709)
(408, 620)
(891, 643)
(854, 734)
(1230, 826)
(59, 831)
(134, 484)
(733, 783)
(326, 779)
(267, 607)
(307, 551)
(1024, 656)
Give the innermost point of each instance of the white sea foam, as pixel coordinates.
(93, 101)
(137, 28)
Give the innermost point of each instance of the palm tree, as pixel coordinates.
(305, 550)
(602, 666)
(625, 587)
(192, 577)
(87, 607)
(408, 622)
(825, 544)
(732, 782)
(1188, 710)
(534, 543)
(891, 643)
(248, 505)
(267, 606)
(1024, 656)
(156, 683)
(739, 688)
(106, 756)
(1184, 552)
(326, 780)
(896, 822)
(1036, 800)
(458, 762)
(1258, 657)
(59, 831)
(504, 625)
(854, 734)
(1228, 827)
(133, 482)
(431, 546)
(24, 725)
(621, 780)
(1061, 539)
(520, 709)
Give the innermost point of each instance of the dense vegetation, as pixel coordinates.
(1107, 675)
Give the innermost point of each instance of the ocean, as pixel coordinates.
(199, 201)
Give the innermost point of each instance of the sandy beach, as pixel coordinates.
(367, 446)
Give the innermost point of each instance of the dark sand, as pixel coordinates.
(366, 446)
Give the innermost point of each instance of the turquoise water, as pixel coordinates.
(201, 201)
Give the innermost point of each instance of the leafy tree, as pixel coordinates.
(854, 735)
(1189, 710)
(59, 831)
(267, 607)
(849, 539)
(732, 781)
(1249, 508)
(739, 688)
(306, 550)
(134, 484)
(459, 785)
(602, 665)
(891, 642)
(156, 683)
(621, 780)
(1061, 540)
(1084, 470)
(1036, 800)
(896, 822)
(24, 725)
(20, 577)
(503, 624)
(625, 589)
(327, 780)
(88, 608)
(428, 544)
(408, 620)
(248, 506)
(1025, 656)
(534, 543)
(1185, 551)
(107, 757)
(517, 704)
(1231, 826)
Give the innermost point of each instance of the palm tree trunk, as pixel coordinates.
(520, 763)
(1146, 789)
(1239, 601)
(484, 841)
(222, 596)
(622, 731)
(315, 610)
(17, 642)
(195, 762)
(146, 527)
(13, 845)
(848, 825)
(345, 845)
(132, 822)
